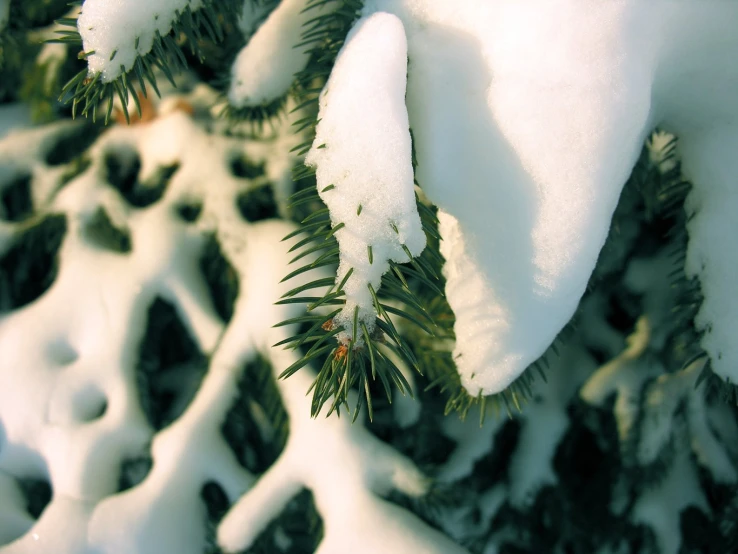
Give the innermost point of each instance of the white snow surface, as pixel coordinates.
(363, 160)
(126, 28)
(265, 68)
(70, 355)
(528, 118)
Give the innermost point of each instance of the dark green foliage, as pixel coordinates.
(345, 367)
(257, 203)
(213, 59)
(256, 426)
(30, 265)
(216, 505)
(22, 77)
(189, 211)
(170, 365)
(546, 526)
(422, 441)
(425, 443)
(701, 534)
(258, 115)
(300, 522)
(70, 145)
(38, 494)
(133, 471)
(221, 278)
(151, 190)
(723, 501)
(15, 198)
(245, 168)
(122, 166)
(122, 171)
(40, 83)
(575, 517)
(100, 231)
(303, 186)
(74, 169)
(494, 466)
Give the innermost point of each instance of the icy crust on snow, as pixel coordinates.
(126, 28)
(363, 159)
(265, 68)
(69, 356)
(528, 118)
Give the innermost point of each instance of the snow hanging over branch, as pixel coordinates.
(528, 118)
(363, 158)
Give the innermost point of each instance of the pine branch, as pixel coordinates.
(88, 90)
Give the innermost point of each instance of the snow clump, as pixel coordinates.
(265, 68)
(363, 158)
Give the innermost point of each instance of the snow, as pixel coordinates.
(62, 360)
(660, 507)
(670, 432)
(546, 420)
(528, 118)
(362, 155)
(265, 68)
(119, 31)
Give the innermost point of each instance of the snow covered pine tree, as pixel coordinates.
(404, 208)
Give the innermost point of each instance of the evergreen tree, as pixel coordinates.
(169, 145)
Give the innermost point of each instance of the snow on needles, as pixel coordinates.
(363, 159)
(118, 31)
